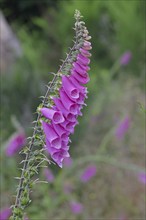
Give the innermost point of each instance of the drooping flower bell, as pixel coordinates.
(61, 116)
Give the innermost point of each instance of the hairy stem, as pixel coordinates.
(30, 148)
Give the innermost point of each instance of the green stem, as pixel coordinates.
(28, 155)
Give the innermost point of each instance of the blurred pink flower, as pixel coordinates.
(49, 175)
(142, 178)
(122, 128)
(67, 162)
(122, 217)
(5, 213)
(76, 207)
(125, 58)
(16, 142)
(88, 173)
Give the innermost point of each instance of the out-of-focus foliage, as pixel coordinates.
(23, 11)
(115, 92)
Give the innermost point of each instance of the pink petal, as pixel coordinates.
(68, 103)
(83, 60)
(60, 131)
(79, 78)
(51, 135)
(86, 43)
(69, 126)
(81, 99)
(59, 157)
(85, 53)
(77, 84)
(83, 67)
(87, 47)
(69, 88)
(55, 116)
(69, 116)
(78, 69)
(51, 150)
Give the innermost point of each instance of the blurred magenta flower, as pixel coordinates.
(122, 128)
(67, 162)
(122, 217)
(15, 143)
(142, 178)
(49, 175)
(125, 58)
(5, 213)
(88, 173)
(76, 207)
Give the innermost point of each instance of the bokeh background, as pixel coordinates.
(105, 178)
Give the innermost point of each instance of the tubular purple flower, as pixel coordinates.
(63, 134)
(82, 67)
(65, 137)
(79, 78)
(83, 60)
(77, 84)
(16, 142)
(81, 99)
(51, 150)
(59, 157)
(86, 43)
(85, 52)
(69, 88)
(87, 47)
(51, 135)
(68, 103)
(65, 145)
(69, 126)
(78, 69)
(69, 116)
(55, 116)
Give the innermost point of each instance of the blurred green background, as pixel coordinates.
(43, 30)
